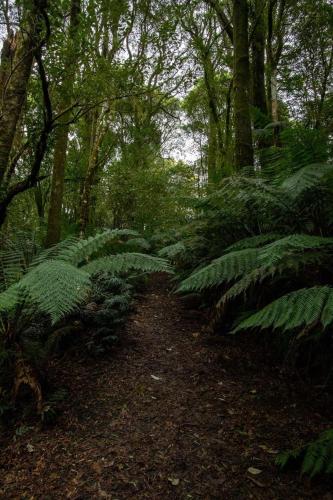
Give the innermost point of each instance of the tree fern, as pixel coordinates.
(56, 286)
(303, 307)
(236, 264)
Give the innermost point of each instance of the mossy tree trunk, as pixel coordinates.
(61, 134)
(258, 57)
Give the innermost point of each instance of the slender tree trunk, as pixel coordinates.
(61, 140)
(243, 131)
(212, 152)
(258, 58)
(228, 117)
(215, 139)
(95, 142)
(323, 92)
(274, 96)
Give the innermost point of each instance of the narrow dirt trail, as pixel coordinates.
(167, 417)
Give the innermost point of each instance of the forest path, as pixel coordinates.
(167, 417)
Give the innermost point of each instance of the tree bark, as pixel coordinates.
(243, 131)
(212, 152)
(258, 57)
(215, 139)
(276, 12)
(30, 46)
(16, 65)
(61, 140)
(95, 142)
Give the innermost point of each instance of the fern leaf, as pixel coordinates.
(272, 253)
(82, 249)
(225, 269)
(250, 279)
(254, 241)
(172, 251)
(306, 178)
(125, 262)
(317, 456)
(300, 308)
(55, 287)
(138, 244)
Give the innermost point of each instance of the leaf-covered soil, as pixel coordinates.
(170, 415)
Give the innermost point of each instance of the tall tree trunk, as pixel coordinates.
(274, 96)
(243, 131)
(276, 12)
(28, 45)
(95, 142)
(16, 64)
(61, 140)
(215, 139)
(258, 58)
(212, 152)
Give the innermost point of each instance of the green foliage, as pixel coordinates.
(111, 297)
(316, 457)
(125, 262)
(307, 178)
(226, 268)
(253, 241)
(236, 264)
(172, 251)
(305, 307)
(80, 250)
(56, 286)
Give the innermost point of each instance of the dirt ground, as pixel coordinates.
(169, 415)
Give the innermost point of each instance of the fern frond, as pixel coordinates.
(83, 249)
(254, 241)
(258, 275)
(224, 269)
(317, 456)
(12, 265)
(125, 262)
(138, 244)
(172, 251)
(273, 252)
(303, 307)
(56, 287)
(54, 251)
(306, 178)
